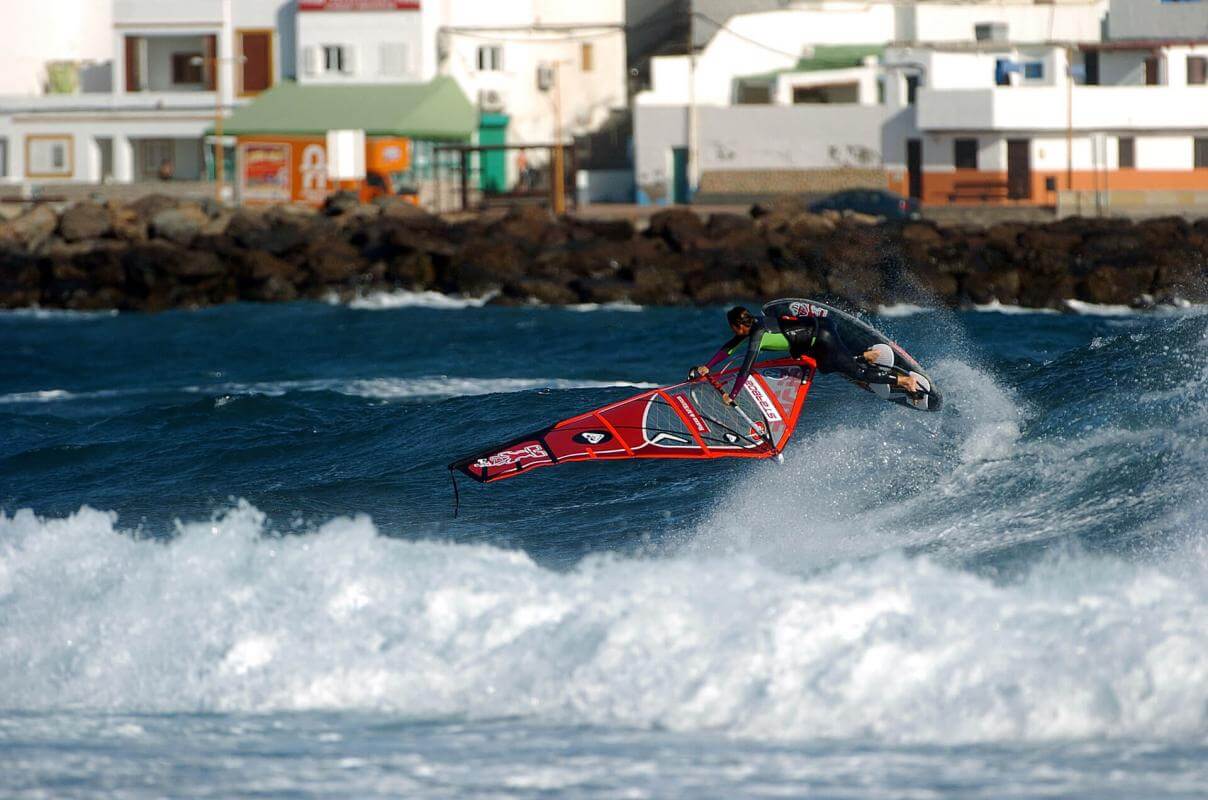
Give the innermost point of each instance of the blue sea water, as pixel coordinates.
(228, 565)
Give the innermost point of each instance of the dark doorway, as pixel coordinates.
(914, 167)
(1151, 71)
(1019, 169)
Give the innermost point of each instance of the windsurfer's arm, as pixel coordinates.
(754, 342)
(721, 355)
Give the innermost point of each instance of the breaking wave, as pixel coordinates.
(229, 615)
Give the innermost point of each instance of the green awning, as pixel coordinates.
(436, 110)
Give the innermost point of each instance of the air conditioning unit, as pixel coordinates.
(491, 100)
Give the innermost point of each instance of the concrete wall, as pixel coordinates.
(790, 138)
(1154, 19)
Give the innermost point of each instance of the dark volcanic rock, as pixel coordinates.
(681, 229)
(85, 220)
(160, 252)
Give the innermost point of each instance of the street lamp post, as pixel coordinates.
(220, 149)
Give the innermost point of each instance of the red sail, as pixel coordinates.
(688, 420)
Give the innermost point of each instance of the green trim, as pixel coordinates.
(826, 57)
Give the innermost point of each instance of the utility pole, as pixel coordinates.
(558, 175)
(215, 63)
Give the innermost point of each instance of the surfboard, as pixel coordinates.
(860, 337)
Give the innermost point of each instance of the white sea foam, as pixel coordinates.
(618, 305)
(401, 298)
(996, 307)
(903, 650)
(59, 314)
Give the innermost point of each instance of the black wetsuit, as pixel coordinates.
(818, 338)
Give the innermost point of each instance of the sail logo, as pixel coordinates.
(800, 309)
(591, 437)
(534, 452)
(691, 414)
(770, 412)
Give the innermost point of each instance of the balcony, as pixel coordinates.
(1037, 108)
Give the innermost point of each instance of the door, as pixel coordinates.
(679, 175)
(1151, 71)
(493, 130)
(256, 47)
(914, 167)
(1019, 169)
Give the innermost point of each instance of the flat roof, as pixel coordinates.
(437, 110)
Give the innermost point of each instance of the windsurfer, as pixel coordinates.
(814, 336)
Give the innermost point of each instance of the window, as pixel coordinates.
(48, 156)
(912, 88)
(333, 58)
(1201, 153)
(1033, 70)
(754, 94)
(1197, 70)
(1091, 63)
(965, 156)
(393, 59)
(586, 57)
(1126, 152)
(490, 58)
(1002, 71)
(990, 32)
(186, 68)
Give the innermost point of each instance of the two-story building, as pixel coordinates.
(1005, 122)
(818, 95)
(172, 67)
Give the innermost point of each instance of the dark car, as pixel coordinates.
(874, 202)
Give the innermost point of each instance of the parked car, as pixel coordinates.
(874, 202)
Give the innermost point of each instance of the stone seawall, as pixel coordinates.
(160, 252)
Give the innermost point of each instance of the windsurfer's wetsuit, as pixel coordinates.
(816, 337)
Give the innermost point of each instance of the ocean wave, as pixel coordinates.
(230, 616)
(376, 388)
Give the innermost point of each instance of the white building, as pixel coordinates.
(830, 84)
(146, 78)
(169, 67)
(1012, 124)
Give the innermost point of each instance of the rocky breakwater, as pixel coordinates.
(158, 253)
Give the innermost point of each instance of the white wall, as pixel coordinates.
(32, 33)
(1026, 22)
(362, 34)
(586, 96)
